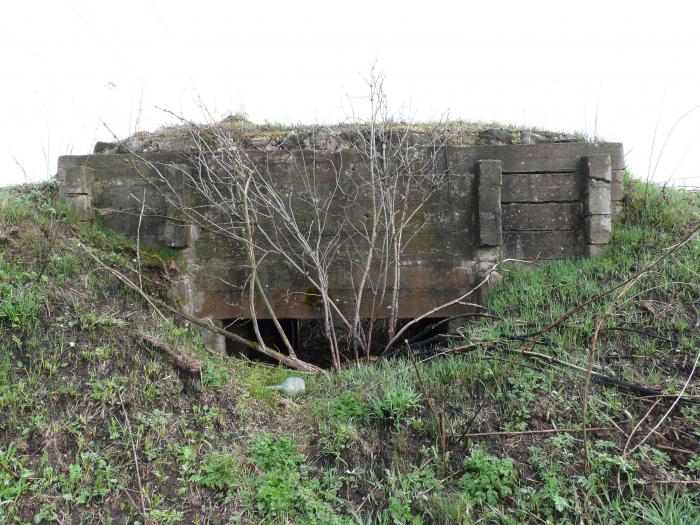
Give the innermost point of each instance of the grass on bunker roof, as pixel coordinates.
(279, 135)
(95, 427)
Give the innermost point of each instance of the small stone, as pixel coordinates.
(177, 144)
(134, 145)
(496, 136)
(284, 402)
(530, 137)
(564, 137)
(105, 147)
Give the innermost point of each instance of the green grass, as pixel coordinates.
(364, 445)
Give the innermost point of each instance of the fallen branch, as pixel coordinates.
(183, 363)
(297, 364)
(530, 432)
(438, 338)
(602, 379)
(678, 481)
(641, 332)
(678, 450)
(120, 276)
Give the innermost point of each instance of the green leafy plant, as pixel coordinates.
(284, 489)
(487, 478)
(405, 491)
(347, 407)
(220, 471)
(604, 464)
(694, 464)
(213, 376)
(554, 496)
(335, 437)
(14, 477)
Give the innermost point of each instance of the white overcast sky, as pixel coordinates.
(69, 65)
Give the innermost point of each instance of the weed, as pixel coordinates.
(604, 463)
(213, 375)
(19, 307)
(487, 478)
(105, 390)
(335, 437)
(220, 471)
(395, 402)
(555, 496)
(14, 477)
(693, 464)
(347, 407)
(672, 508)
(405, 494)
(14, 209)
(89, 320)
(165, 516)
(284, 489)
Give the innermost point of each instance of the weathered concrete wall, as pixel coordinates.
(546, 201)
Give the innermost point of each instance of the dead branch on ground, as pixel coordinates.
(184, 363)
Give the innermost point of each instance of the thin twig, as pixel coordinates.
(438, 417)
(136, 460)
(678, 450)
(531, 432)
(15, 476)
(138, 238)
(640, 332)
(673, 405)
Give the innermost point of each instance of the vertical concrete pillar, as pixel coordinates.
(489, 224)
(597, 177)
(175, 230)
(75, 185)
(213, 340)
(489, 221)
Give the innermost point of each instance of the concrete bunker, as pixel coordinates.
(527, 201)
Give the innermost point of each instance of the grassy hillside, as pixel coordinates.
(97, 425)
